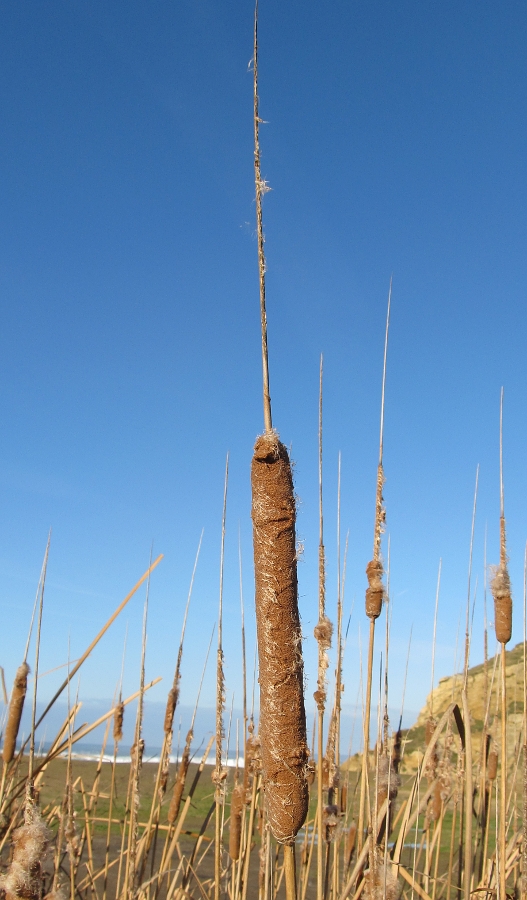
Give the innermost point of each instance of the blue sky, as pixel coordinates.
(129, 348)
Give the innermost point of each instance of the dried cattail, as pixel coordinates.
(501, 591)
(323, 632)
(311, 771)
(381, 884)
(430, 727)
(282, 713)
(343, 798)
(179, 785)
(30, 842)
(237, 803)
(492, 764)
(330, 771)
(16, 705)
(388, 781)
(375, 589)
(331, 821)
(172, 700)
(351, 840)
(437, 803)
(58, 893)
(118, 718)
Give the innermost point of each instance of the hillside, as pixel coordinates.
(482, 682)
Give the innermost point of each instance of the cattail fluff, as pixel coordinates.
(16, 705)
(282, 713)
(237, 803)
(30, 842)
(118, 718)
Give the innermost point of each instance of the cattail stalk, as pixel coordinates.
(323, 631)
(375, 590)
(524, 824)
(130, 886)
(501, 590)
(219, 774)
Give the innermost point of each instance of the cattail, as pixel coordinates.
(501, 591)
(323, 632)
(16, 705)
(330, 771)
(237, 802)
(282, 713)
(437, 803)
(30, 842)
(388, 781)
(172, 700)
(430, 727)
(381, 883)
(375, 589)
(343, 798)
(331, 821)
(118, 717)
(350, 842)
(179, 785)
(492, 765)
(253, 762)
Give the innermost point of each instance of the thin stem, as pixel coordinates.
(220, 693)
(381, 439)
(37, 654)
(434, 638)
(465, 669)
(261, 188)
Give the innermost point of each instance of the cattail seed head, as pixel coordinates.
(492, 764)
(237, 803)
(282, 713)
(30, 842)
(16, 705)
(501, 591)
(437, 803)
(172, 700)
(179, 786)
(388, 781)
(375, 590)
(331, 821)
(350, 842)
(118, 718)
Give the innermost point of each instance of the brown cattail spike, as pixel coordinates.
(492, 765)
(179, 786)
(375, 590)
(237, 802)
(118, 718)
(501, 591)
(282, 713)
(351, 840)
(172, 700)
(16, 705)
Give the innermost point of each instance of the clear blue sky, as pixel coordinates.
(129, 346)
